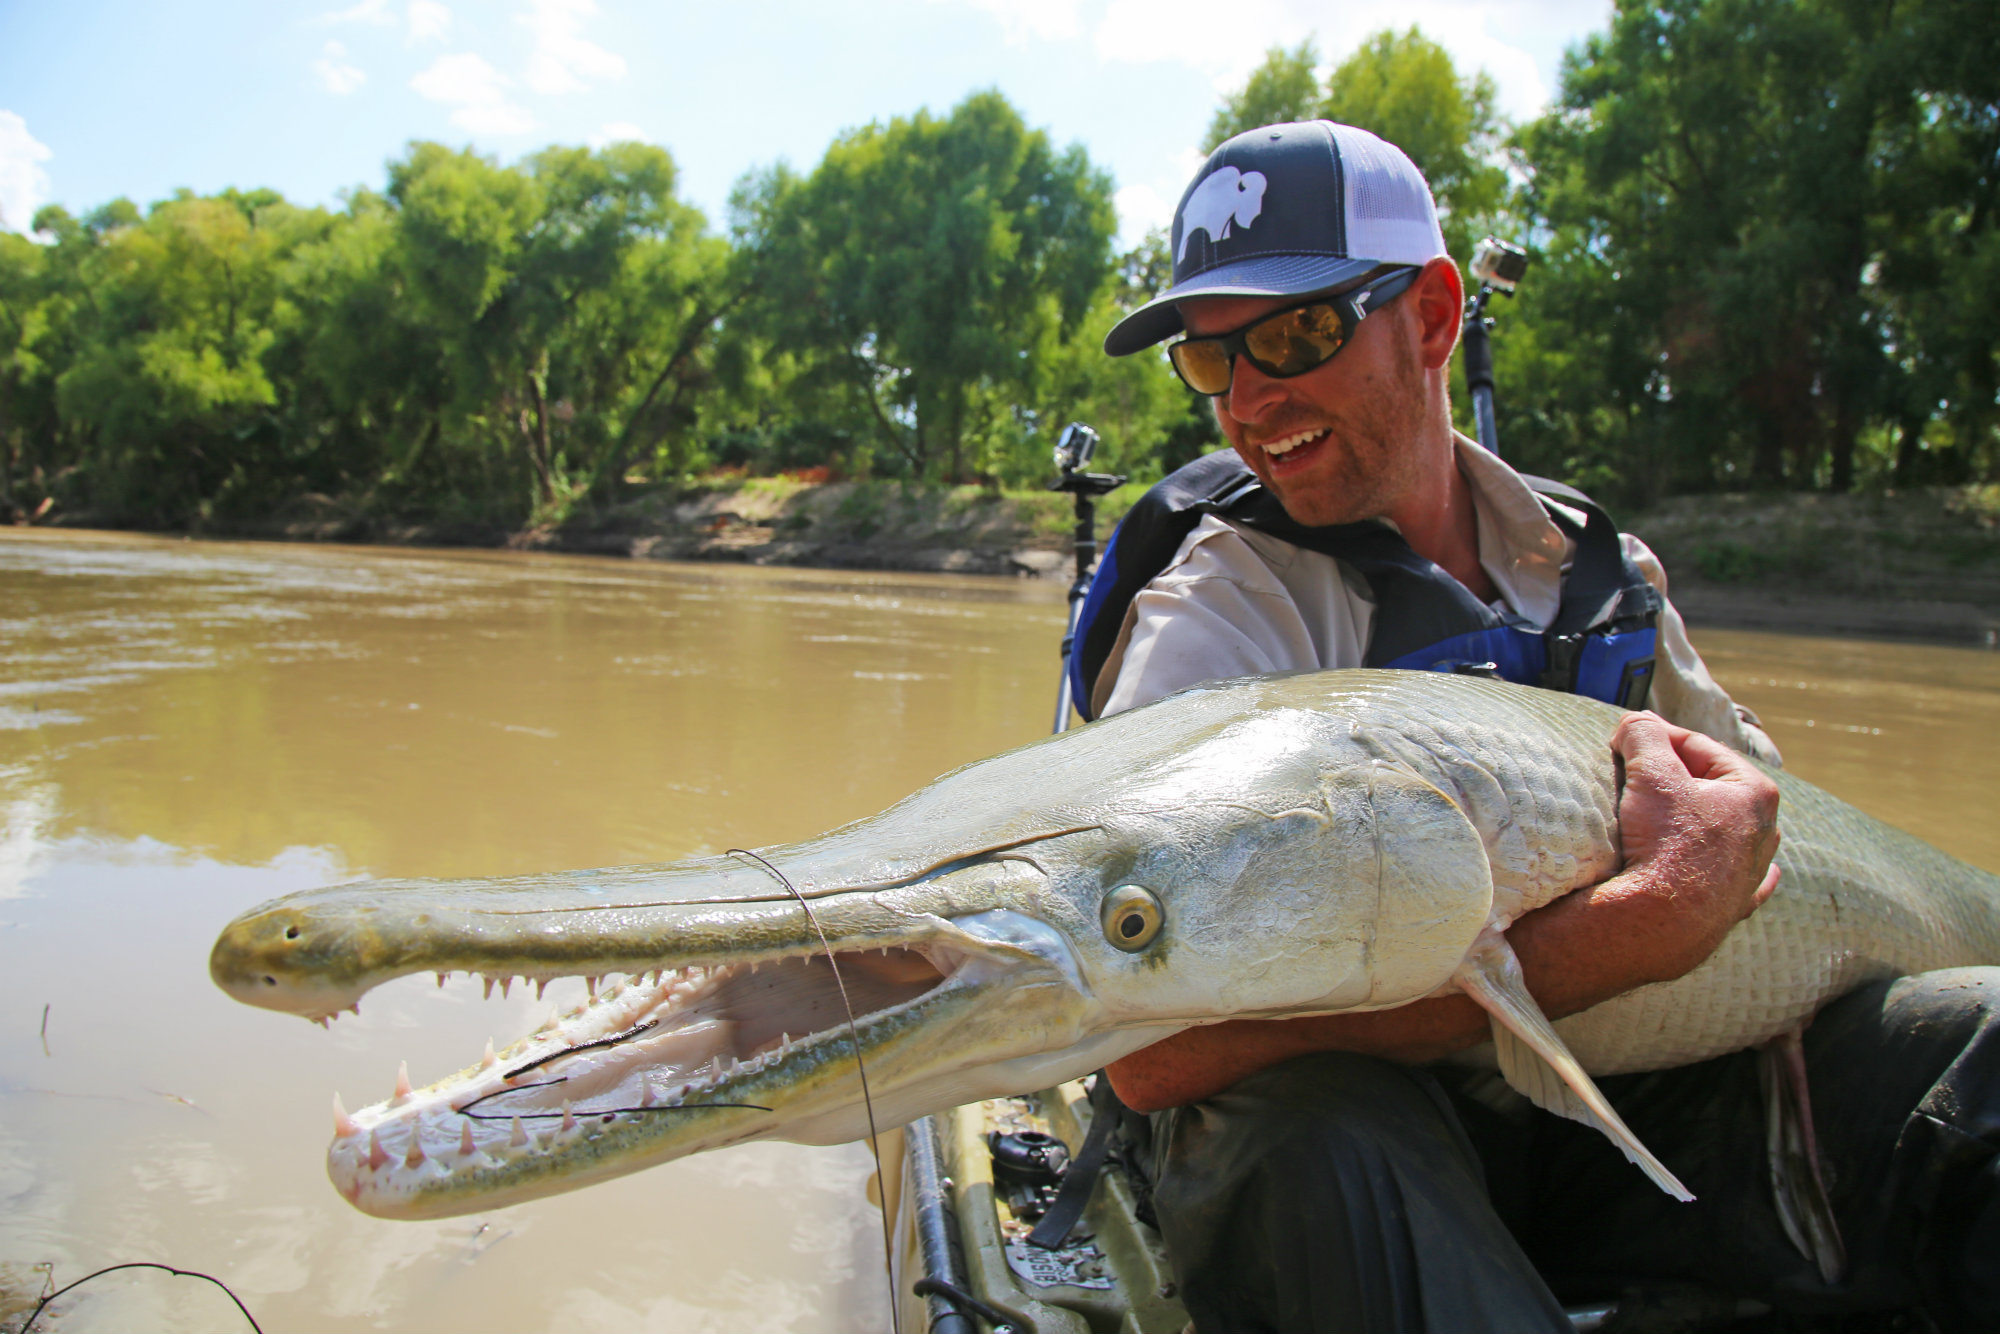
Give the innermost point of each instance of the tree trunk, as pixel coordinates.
(535, 433)
(1910, 437)
(1841, 445)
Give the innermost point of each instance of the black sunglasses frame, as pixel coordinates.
(1353, 306)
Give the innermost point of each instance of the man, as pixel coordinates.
(1311, 1174)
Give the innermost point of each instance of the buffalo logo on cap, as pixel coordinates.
(1225, 197)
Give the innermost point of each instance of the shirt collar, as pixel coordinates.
(1520, 547)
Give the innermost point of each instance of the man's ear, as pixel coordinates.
(1437, 300)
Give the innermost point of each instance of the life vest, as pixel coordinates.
(1601, 643)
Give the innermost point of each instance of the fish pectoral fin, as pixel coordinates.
(1535, 1061)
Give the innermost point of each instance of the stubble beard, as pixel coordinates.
(1370, 458)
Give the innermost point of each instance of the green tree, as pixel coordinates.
(911, 276)
(1403, 87)
(166, 379)
(571, 294)
(1284, 88)
(1744, 207)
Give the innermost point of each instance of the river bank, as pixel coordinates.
(1919, 565)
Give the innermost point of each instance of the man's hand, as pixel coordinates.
(1698, 827)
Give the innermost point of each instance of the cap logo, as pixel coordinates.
(1225, 197)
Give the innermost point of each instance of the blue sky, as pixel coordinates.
(100, 99)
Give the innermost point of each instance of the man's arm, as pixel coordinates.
(1698, 825)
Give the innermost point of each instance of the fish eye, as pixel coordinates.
(1132, 917)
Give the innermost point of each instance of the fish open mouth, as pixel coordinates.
(730, 1038)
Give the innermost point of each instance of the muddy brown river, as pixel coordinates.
(189, 728)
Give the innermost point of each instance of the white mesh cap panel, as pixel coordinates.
(1390, 216)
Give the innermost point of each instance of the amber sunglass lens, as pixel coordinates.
(1295, 341)
(1204, 365)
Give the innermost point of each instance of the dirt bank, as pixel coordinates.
(1918, 565)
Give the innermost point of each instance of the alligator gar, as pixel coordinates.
(1267, 847)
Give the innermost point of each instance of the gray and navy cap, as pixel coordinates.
(1289, 210)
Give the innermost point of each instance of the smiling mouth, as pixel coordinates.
(1294, 448)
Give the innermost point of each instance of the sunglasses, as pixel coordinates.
(1286, 342)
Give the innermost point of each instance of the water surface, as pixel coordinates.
(189, 728)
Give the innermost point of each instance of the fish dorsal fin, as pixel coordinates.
(1535, 1061)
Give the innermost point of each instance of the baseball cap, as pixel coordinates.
(1289, 210)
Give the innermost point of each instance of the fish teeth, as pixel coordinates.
(343, 1124)
(402, 1084)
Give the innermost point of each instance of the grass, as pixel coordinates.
(1938, 542)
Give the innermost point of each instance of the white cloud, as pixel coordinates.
(1149, 204)
(618, 132)
(23, 183)
(1515, 41)
(428, 20)
(1048, 20)
(335, 74)
(1140, 209)
(373, 12)
(563, 61)
(477, 91)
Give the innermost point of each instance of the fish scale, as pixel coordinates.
(1858, 899)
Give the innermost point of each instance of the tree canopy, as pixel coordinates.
(1764, 255)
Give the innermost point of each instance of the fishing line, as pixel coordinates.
(141, 1264)
(467, 1112)
(611, 1041)
(861, 1068)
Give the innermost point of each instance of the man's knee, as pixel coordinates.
(1331, 1109)
(1338, 1191)
(1928, 1044)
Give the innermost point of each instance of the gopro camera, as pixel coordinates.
(1075, 446)
(1498, 264)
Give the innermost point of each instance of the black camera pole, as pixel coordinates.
(1499, 267)
(1073, 450)
(1476, 346)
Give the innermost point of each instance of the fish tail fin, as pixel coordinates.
(1535, 1061)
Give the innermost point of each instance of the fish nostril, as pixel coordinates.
(291, 933)
(270, 981)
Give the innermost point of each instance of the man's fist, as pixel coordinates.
(1698, 824)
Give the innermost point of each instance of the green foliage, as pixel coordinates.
(1284, 88)
(1766, 235)
(1404, 87)
(479, 344)
(915, 275)
(1765, 253)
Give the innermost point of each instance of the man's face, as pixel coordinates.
(1336, 444)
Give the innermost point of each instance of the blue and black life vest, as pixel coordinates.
(1601, 643)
